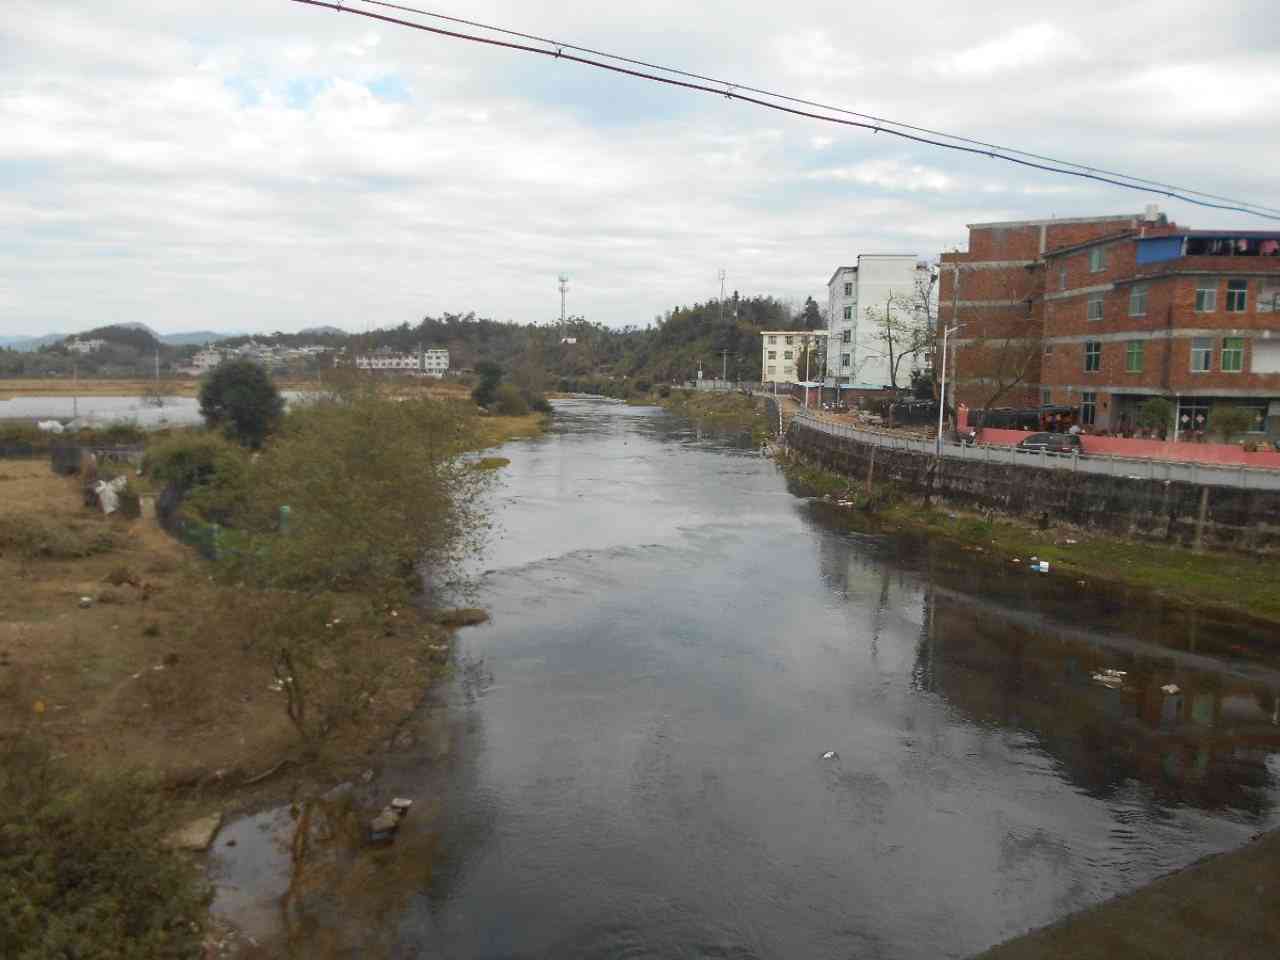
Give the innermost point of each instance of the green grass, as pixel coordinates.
(1243, 583)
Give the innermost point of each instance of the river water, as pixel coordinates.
(708, 721)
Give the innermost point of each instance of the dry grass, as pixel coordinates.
(160, 668)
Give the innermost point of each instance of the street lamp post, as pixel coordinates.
(942, 389)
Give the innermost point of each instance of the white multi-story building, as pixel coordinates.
(85, 346)
(781, 349)
(857, 299)
(431, 363)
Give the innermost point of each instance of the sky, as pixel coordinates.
(261, 165)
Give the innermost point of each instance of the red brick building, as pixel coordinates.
(1102, 313)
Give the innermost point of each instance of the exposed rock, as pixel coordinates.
(196, 835)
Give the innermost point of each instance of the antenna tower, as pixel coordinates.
(564, 288)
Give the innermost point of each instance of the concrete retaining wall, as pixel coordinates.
(1168, 512)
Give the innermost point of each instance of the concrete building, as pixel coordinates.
(856, 297)
(85, 346)
(1101, 314)
(781, 349)
(429, 363)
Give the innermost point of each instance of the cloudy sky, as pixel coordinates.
(264, 165)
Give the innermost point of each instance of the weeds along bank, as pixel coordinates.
(871, 499)
(727, 410)
(142, 686)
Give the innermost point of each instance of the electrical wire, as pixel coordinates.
(731, 91)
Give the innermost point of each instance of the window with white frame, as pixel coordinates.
(787, 354)
(772, 369)
(1269, 297)
(790, 340)
(1138, 300)
(846, 336)
(1046, 396)
(848, 313)
(1206, 295)
(846, 360)
(1097, 260)
(773, 354)
(848, 289)
(773, 340)
(1092, 356)
(1088, 407)
(1095, 306)
(1237, 296)
(1201, 354)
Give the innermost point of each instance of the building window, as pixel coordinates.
(789, 340)
(1237, 296)
(1269, 297)
(1201, 354)
(846, 336)
(848, 289)
(1046, 396)
(787, 354)
(1206, 296)
(848, 313)
(1097, 260)
(1138, 300)
(1095, 306)
(1092, 356)
(773, 354)
(1232, 354)
(772, 369)
(1062, 279)
(1088, 407)
(1134, 355)
(845, 360)
(1048, 349)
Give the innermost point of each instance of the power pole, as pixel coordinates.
(724, 365)
(722, 296)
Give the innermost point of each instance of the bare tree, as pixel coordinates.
(1005, 342)
(904, 326)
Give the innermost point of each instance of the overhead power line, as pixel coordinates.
(736, 91)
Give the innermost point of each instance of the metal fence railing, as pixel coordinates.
(1201, 474)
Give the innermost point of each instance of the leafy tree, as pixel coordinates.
(239, 397)
(1155, 414)
(1229, 421)
(486, 390)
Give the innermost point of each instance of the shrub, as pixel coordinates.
(210, 471)
(83, 869)
(35, 537)
(239, 397)
(664, 391)
(508, 402)
(1156, 413)
(1229, 421)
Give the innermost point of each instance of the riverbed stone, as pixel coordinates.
(197, 835)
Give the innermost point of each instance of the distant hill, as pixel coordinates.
(322, 332)
(30, 344)
(194, 337)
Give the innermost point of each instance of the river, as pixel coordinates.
(708, 721)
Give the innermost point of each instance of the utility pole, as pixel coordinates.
(722, 296)
(564, 288)
(724, 365)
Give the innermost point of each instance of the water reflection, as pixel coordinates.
(639, 734)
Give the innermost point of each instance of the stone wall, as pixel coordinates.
(1221, 518)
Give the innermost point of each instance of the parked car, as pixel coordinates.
(1051, 442)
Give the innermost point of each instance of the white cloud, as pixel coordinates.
(274, 167)
(1030, 46)
(889, 175)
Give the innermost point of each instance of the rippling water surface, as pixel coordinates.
(636, 741)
